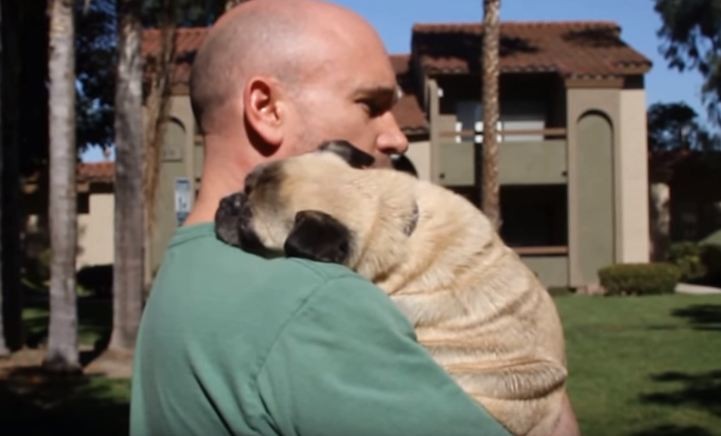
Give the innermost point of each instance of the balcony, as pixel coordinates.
(522, 161)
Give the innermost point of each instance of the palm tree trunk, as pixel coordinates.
(490, 203)
(62, 354)
(128, 265)
(157, 105)
(3, 347)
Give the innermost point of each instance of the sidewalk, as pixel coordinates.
(686, 288)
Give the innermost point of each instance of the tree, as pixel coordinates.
(95, 58)
(691, 40)
(490, 203)
(673, 126)
(24, 77)
(62, 353)
(3, 348)
(186, 13)
(129, 224)
(159, 69)
(96, 54)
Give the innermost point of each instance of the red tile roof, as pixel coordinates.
(98, 172)
(572, 49)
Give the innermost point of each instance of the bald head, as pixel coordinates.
(273, 38)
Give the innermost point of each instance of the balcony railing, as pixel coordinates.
(523, 160)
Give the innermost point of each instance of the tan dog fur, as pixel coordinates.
(478, 309)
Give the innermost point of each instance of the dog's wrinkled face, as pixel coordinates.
(305, 206)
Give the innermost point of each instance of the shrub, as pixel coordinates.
(687, 256)
(640, 278)
(97, 279)
(711, 258)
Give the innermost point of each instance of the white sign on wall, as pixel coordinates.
(183, 199)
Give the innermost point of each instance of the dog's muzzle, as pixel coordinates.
(233, 223)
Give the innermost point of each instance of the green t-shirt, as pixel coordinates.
(231, 343)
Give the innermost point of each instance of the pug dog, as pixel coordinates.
(482, 314)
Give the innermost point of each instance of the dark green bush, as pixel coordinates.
(639, 278)
(96, 279)
(711, 258)
(687, 256)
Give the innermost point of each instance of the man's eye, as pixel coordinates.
(373, 108)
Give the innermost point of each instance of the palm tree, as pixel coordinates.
(129, 224)
(3, 347)
(490, 203)
(62, 353)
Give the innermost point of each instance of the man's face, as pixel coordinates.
(348, 94)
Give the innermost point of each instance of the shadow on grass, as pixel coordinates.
(699, 391)
(702, 391)
(674, 430)
(701, 316)
(94, 323)
(34, 402)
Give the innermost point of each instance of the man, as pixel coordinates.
(235, 344)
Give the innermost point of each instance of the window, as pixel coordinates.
(469, 114)
(534, 216)
(523, 115)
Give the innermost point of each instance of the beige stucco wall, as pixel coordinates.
(632, 175)
(177, 160)
(419, 153)
(550, 270)
(95, 231)
(580, 102)
(626, 110)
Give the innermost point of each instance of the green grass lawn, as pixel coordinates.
(639, 366)
(644, 365)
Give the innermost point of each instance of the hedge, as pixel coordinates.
(688, 257)
(640, 278)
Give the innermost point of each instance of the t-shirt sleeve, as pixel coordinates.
(348, 364)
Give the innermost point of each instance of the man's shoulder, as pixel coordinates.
(200, 251)
(207, 273)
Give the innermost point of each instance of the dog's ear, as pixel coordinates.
(318, 236)
(348, 152)
(227, 219)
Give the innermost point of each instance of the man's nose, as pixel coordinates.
(391, 139)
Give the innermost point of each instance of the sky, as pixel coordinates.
(639, 22)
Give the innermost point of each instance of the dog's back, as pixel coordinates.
(481, 312)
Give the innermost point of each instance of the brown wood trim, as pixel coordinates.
(595, 82)
(536, 251)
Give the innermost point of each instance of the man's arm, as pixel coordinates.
(348, 364)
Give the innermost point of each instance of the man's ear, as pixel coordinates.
(355, 157)
(263, 112)
(318, 236)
